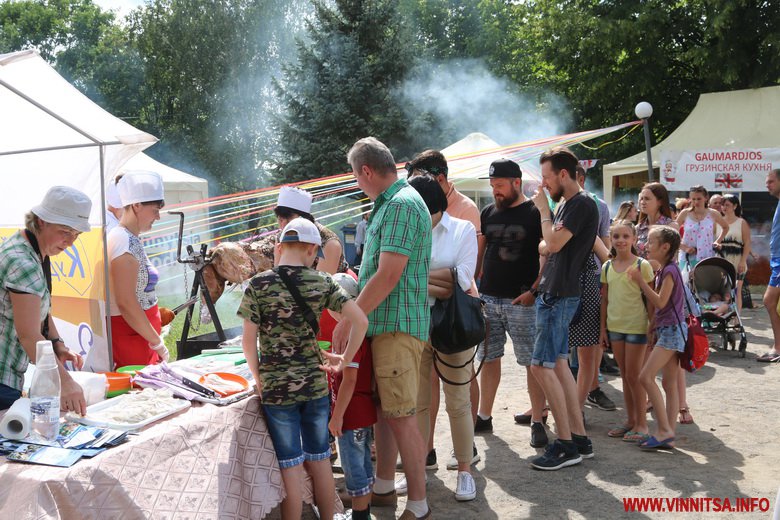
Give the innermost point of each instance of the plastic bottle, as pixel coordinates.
(45, 392)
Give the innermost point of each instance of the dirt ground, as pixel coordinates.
(730, 451)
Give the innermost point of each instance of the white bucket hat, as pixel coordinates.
(140, 186)
(295, 199)
(65, 206)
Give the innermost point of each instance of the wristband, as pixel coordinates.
(56, 340)
(546, 220)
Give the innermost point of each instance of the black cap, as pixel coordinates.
(504, 169)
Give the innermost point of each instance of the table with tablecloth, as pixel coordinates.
(209, 462)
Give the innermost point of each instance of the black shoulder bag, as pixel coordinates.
(457, 324)
(308, 314)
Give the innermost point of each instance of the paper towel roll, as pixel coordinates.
(17, 422)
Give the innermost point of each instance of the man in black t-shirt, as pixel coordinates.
(568, 240)
(509, 262)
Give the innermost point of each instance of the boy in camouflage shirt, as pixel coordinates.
(289, 368)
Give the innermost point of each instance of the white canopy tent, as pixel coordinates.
(469, 160)
(180, 187)
(741, 119)
(51, 134)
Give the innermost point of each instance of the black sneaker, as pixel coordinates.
(538, 435)
(584, 446)
(483, 425)
(430, 460)
(557, 456)
(600, 400)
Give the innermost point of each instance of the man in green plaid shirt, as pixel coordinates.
(394, 295)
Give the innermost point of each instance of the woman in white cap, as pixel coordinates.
(294, 202)
(135, 317)
(25, 293)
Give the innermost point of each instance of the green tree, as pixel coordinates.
(207, 79)
(342, 88)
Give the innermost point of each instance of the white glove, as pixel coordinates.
(161, 350)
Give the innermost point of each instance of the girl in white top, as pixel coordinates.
(624, 325)
(736, 246)
(698, 223)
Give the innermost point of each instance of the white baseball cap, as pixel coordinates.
(65, 206)
(304, 231)
(140, 186)
(295, 199)
(347, 283)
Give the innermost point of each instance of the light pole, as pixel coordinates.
(643, 111)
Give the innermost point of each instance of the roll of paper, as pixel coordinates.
(17, 422)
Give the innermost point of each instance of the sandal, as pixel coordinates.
(638, 437)
(619, 431)
(685, 415)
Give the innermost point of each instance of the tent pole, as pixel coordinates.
(54, 148)
(107, 290)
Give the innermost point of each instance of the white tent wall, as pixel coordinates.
(740, 119)
(51, 134)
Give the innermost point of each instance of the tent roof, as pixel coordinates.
(720, 120)
(170, 175)
(50, 133)
(470, 158)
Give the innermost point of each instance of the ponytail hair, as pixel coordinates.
(667, 235)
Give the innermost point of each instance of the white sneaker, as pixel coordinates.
(346, 515)
(401, 487)
(466, 490)
(453, 463)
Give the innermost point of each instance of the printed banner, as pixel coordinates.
(718, 170)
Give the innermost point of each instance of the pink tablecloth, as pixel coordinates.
(209, 462)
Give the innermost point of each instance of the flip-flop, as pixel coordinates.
(768, 357)
(636, 437)
(619, 431)
(654, 444)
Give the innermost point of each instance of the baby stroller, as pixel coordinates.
(713, 277)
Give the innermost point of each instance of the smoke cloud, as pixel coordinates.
(465, 97)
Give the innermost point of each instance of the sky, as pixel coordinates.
(122, 7)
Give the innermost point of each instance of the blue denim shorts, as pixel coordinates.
(299, 431)
(553, 316)
(671, 337)
(355, 454)
(504, 318)
(636, 339)
(774, 278)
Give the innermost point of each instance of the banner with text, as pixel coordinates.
(718, 170)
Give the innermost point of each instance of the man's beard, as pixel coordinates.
(506, 202)
(556, 196)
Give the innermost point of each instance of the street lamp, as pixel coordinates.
(643, 111)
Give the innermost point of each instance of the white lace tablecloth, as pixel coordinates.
(209, 462)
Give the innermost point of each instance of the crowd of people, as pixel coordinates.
(558, 277)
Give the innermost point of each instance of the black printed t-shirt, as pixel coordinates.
(511, 261)
(561, 276)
